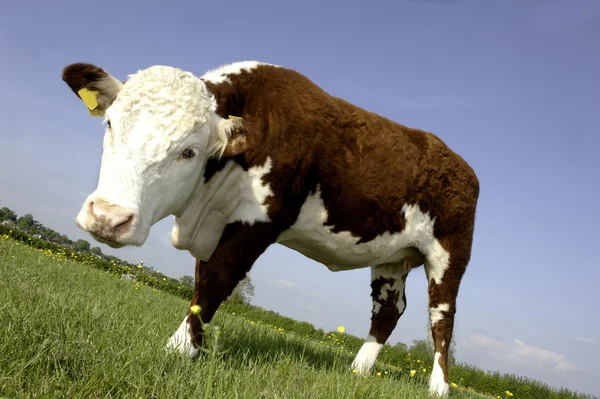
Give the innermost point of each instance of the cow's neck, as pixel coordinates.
(231, 194)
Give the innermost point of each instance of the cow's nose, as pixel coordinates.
(111, 219)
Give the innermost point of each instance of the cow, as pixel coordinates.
(251, 154)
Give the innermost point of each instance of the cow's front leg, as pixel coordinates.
(238, 249)
(182, 340)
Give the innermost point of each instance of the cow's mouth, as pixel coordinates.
(110, 243)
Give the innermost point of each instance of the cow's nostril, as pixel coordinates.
(125, 225)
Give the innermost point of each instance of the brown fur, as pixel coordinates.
(81, 75)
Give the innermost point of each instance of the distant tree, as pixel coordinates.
(53, 235)
(96, 251)
(25, 222)
(401, 346)
(82, 246)
(187, 280)
(244, 291)
(7, 214)
(64, 239)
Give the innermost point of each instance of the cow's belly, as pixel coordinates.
(341, 251)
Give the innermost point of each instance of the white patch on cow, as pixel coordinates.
(220, 74)
(181, 340)
(395, 272)
(436, 314)
(366, 356)
(231, 195)
(437, 385)
(341, 251)
(254, 192)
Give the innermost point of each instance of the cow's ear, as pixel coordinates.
(230, 137)
(94, 86)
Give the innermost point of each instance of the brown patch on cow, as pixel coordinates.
(385, 319)
(81, 75)
(240, 245)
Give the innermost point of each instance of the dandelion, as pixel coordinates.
(354, 371)
(508, 393)
(454, 385)
(413, 372)
(341, 329)
(379, 374)
(195, 309)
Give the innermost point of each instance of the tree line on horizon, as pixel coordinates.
(243, 293)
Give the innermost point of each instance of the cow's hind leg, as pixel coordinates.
(444, 266)
(389, 301)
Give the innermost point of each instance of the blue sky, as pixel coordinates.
(513, 86)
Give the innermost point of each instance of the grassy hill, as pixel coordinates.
(69, 330)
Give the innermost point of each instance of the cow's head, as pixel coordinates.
(161, 127)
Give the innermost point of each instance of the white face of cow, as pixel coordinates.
(161, 128)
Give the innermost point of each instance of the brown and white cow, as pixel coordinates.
(252, 154)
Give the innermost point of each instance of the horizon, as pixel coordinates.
(513, 88)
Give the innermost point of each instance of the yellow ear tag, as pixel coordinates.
(90, 99)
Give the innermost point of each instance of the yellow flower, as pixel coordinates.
(508, 393)
(341, 329)
(413, 372)
(379, 374)
(195, 309)
(355, 371)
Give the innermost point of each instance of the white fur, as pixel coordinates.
(231, 195)
(108, 88)
(341, 251)
(220, 74)
(181, 340)
(366, 356)
(437, 385)
(436, 314)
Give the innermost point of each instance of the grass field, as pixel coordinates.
(71, 331)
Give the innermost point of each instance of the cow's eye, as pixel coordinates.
(188, 153)
(108, 123)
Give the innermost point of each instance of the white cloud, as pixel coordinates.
(585, 340)
(519, 352)
(540, 355)
(483, 341)
(290, 285)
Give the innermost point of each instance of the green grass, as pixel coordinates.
(70, 331)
